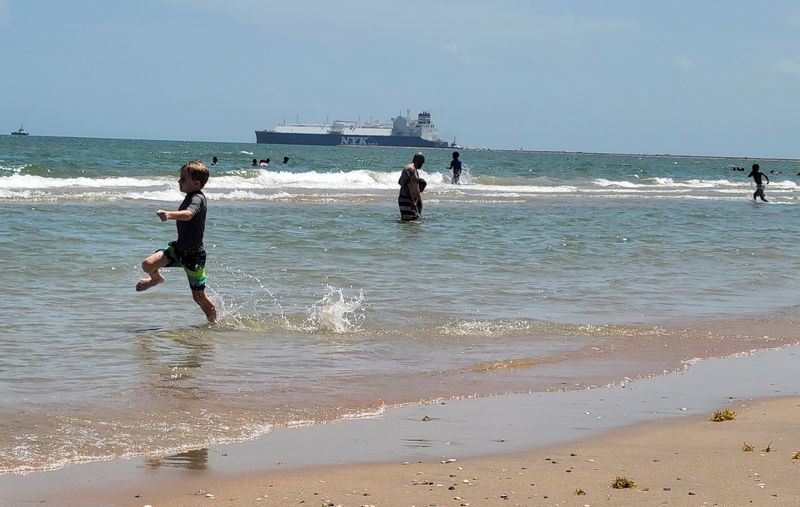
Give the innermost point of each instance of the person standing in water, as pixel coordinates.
(756, 174)
(455, 165)
(410, 198)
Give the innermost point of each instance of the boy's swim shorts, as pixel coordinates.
(193, 263)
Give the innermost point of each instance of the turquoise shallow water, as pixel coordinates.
(331, 308)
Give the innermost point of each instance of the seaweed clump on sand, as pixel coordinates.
(723, 415)
(747, 447)
(579, 492)
(796, 455)
(622, 482)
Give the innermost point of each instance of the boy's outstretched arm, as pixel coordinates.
(180, 216)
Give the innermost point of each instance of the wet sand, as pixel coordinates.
(535, 449)
(688, 461)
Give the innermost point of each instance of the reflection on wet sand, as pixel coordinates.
(196, 459)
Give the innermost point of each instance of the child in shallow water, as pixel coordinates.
(187, 251)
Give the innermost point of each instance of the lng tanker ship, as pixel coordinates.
(403, 131)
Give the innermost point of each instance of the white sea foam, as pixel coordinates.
(527, 189)
(29, 181)
(607, 183)
(266, 185)
(367, 414)
(11, 168)
(244, 195)
(484, 328)
(301, 423)
(156, 195)
(786, 184)
(651, 183)
(340, 180)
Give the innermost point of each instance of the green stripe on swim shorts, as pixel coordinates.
(197, 278)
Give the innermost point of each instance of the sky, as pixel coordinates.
(714, 77)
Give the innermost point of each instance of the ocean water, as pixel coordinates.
(541, 271)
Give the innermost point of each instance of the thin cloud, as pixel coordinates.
(579, 25)
(787, 66)
(529, 25)
(455, 52)
(684, 63)
(451, 48)
(524, 23)
(793, 18)
(525, 31)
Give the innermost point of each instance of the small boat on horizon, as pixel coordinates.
(20, 132)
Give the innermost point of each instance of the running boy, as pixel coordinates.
(756, 174)
(187, 252)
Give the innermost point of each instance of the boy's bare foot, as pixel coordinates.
(146, 283)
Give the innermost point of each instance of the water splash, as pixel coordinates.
(336, 313)
(242, 306)
(246, 300)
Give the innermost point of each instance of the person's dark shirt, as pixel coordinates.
(409, 184)
(756, 175)
(190, 232)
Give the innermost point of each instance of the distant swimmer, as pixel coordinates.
(285, 160)
(455, 165)
(757, 175)
(255, 163)
(263, 163)
(410, 198)
(213, 160)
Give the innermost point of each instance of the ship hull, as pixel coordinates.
(269, 137)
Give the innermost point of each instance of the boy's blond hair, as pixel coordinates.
(197, 171)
